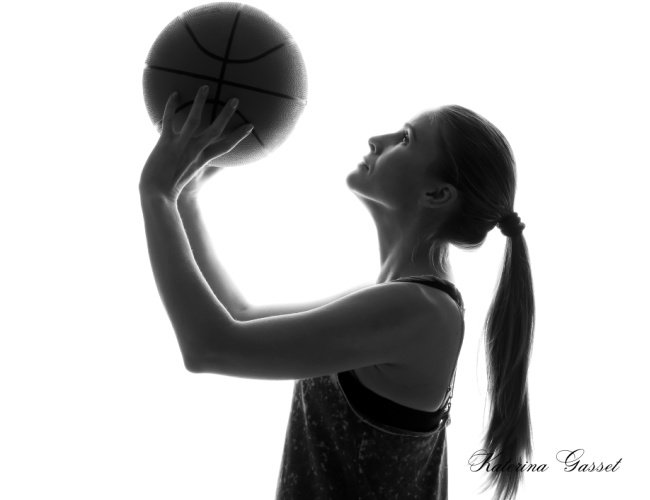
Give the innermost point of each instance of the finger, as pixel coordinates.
(168, 113)
(215, 130)
(194, 118)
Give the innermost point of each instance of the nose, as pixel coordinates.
(372, 142)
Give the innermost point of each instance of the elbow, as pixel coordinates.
(203, 356)
(192, 363)
(194, 354)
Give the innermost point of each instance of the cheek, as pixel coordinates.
(392, 179)
(399, 188)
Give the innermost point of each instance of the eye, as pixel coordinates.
(406, 136)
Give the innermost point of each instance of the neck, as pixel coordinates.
(404, 250)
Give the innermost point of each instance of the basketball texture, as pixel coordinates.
(239, 51)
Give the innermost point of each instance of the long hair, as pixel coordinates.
(479, 162)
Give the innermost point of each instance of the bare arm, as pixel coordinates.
(220, 282)
(379, 324)
(257, 312)
(204, 255)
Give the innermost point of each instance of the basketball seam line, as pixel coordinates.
(226, 59)
(228, 82)
(225, 64)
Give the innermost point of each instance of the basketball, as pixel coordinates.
(238, 51)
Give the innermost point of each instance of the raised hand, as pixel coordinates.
(179, 156)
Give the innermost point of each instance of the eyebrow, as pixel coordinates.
(410, 127)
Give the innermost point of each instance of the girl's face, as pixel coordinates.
(398, 169)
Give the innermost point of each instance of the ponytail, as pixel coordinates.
(509, 334)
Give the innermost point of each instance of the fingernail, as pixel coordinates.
(234, 102)
(250, 127)
(204, 89)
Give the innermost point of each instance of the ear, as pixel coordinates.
(439, 195)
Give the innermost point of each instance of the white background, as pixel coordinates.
(95, 399)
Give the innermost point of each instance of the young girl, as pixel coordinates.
(374, 368)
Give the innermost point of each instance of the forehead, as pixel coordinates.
(424, 122)
(427, 141)
(426, 131)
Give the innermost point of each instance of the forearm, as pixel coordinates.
(206, 258)
(195, 313)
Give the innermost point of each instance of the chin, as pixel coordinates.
(352, 180)
(356, 187)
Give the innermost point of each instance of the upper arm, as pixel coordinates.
(251, 312)
(379, 324)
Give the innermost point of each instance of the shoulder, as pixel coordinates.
(430, 301)
(410, 303)
(440, 319)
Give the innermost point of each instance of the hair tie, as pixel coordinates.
(511, 225)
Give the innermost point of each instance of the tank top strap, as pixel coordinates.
(440, 284)
(450, 391)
